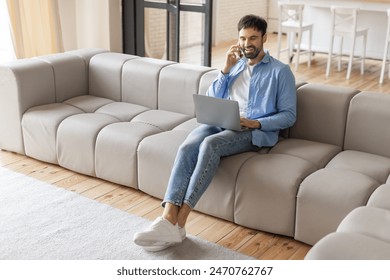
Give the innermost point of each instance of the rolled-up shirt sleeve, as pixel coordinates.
(219, 87)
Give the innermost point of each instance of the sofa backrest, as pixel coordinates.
(178, 82)
(322, 113)
(140, 80)
(206, 81)
(70, 75)
(105, 74)
(368, 128)
(87, 53)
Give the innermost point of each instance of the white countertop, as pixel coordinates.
(363, 5)
(372, 15)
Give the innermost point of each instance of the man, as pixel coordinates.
(265, 90)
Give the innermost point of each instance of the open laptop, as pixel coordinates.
(217, 111)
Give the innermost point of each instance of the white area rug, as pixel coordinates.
(42, 222)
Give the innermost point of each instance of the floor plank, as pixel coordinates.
(237, 238)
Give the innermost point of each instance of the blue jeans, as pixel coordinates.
(197, 161)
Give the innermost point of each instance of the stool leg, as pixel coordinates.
(340, 53)
(389, 71)
(330, 55)
(384, 62)
(298, 50)
(289, 45)
(362, 66)
(351, 58)
(310, 40)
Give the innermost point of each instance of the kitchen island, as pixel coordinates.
(372, 14)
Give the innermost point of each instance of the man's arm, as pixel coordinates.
(285, 104)
(219, 87)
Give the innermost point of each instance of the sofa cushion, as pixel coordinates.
(76, 140)
(322, 113)
(156, 155)
(219, 198)
(349, 246)
(188, 125)
(88, 103)
(40, 126)
(140, 81)
(326, 197)
(116, 151)
(368, 128)
(105, 75)
(70, 75)
(178, 82)
(374, 166)
(266, 190)
(319, 154)
(163, 120)
(122, 110)
(369, 221)
(380, 197)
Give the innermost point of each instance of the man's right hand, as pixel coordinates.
(233, 55)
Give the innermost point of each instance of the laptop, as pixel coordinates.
(218, 112)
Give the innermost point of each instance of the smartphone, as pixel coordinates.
(241, 50)
(241, 53)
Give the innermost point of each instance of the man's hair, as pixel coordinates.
(253, 21)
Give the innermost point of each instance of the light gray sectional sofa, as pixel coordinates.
(122, 118)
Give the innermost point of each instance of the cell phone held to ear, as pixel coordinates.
(241, 51)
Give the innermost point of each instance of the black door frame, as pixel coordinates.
(134, 31)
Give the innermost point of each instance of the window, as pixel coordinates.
(6, 47)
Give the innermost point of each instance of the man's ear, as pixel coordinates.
(265, 38)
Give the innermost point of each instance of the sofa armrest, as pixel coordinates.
(23, 84)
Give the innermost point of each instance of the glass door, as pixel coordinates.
(177, 30)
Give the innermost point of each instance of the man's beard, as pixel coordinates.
(251, 55)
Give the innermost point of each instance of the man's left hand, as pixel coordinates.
(249, 123)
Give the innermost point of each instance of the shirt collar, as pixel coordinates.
(265, 59)
(241, 64)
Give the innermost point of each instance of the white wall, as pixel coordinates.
(6, 48)
(67, 9)
(91, 23)
(227, 13)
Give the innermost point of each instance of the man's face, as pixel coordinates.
(251, 42)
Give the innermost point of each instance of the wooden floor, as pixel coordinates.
(254, 243)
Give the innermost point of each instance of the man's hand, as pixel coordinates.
(233, 55)
(249, 123)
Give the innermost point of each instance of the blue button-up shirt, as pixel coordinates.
(271, 100)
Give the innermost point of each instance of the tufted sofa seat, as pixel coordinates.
(121, 118)
(363, 234)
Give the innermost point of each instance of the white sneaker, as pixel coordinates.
(160, 232)
(164, 245)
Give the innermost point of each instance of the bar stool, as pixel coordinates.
(385, 55)
(291, 22)
(344, 24)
